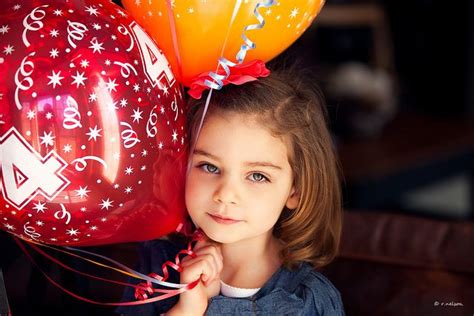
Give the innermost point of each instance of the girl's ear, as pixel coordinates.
(293, 199)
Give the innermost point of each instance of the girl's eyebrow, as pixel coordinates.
(262, 164)
(205, 153)
(250, 164)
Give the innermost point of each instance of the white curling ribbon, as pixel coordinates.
(26, 82)
(126, 69)
(75, 31)
(124, 31)
(63, 214)
(151, 128)
(81, 163)
(72, 116)
(129, 136)
(36, 15)
(30, 231)
(174, 108)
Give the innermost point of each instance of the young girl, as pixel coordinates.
(263, 187)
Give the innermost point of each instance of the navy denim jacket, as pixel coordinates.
(300, 292)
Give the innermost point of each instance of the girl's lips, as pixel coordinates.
(223, 220)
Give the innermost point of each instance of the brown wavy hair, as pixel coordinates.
(292, 108)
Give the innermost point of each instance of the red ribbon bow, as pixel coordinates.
(239, 74)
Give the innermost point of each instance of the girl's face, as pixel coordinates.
(240, 179)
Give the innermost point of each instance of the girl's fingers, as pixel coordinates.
(207, 264)
(201, 267)
(215, 254)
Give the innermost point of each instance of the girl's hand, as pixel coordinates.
(207, 267)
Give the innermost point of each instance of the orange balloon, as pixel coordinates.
(201, 27)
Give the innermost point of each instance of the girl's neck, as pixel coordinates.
(250, 263)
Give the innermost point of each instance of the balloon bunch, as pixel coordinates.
(92, 140)
(93, 147)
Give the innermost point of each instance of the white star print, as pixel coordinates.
(9, 227)
(129, 170)
(92, 97)
(67, 148)
(136, 87)
(128, 190)
(144, 153)
(58, 12)
(112, 105)
(137, 3)
(84, 63)
(93, 228)
(268, 12)
(175, 136)
(294, 13)
(55, 79)
(162, 110)
(111, 85)
(72, 232)
(165, 90)
(116, 186)
(107, 62)
(92, 10)
(39, 223)
(31, 114)
(54, 33)
(160, 145)
(16, 7)
(137, 115)
(4, 29)
(83, 209)
(106, 204)
(123, 102)
(96, 26)
(96, 46)
(49, 115)
(82, 192)
(78, 79)
(94, 133)
(40, 207)
(53, 53)
(121, 13)
(143, 168)
(8, 50)
(47, 139)
(191, 10)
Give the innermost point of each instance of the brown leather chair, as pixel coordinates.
(393, 264)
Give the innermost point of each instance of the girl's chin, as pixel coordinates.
(220, 236)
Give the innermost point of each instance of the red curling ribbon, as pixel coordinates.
(142, 290)
(239, 74)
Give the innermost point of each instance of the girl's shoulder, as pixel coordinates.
(320, 292)
(315, 293)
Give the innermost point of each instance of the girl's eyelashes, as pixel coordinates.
(207, 167)
(258, 177)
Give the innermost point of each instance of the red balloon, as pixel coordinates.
(92, 140)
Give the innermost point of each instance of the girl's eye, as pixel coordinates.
(258, 177)
(209, 168)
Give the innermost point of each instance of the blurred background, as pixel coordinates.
(398, 77)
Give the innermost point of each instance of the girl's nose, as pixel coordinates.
(226, 193)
